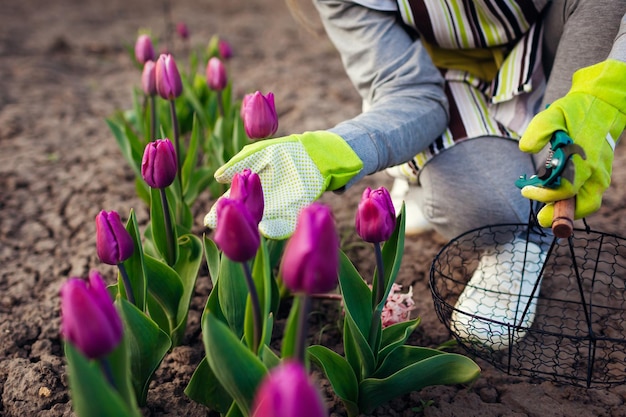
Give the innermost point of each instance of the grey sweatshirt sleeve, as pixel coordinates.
(619, 46)
(402, 91)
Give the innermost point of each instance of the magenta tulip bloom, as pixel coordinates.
(310, 262)
(216, 77)
(182, 30)
(375, 217)
(226, 52)
(246, 187)
(89, 320)
(259, 115)
(236, 233)
(148, 78)
(287, 392)
(144, 51)
(159, 166)
(113, 242)
(168, 82)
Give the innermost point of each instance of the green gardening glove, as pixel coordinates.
(593, 114)
(294, 171)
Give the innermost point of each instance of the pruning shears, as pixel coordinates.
(562, 148)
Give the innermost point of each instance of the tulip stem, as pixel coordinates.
(303, 327)
(220, 105)
(256, 307)
(380, 294)
(126, 281)
(177, 144)
(105, 365)
(171, 244)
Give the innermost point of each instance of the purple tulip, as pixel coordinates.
(259, 115)
(113, 242)
(287, 392)
(310, 262)
(168, 82)
(148, 78)
(236, 233)
(226, 52)
(246, 187)
(89, 320)
(159, 166)
(375, 217)
(216, 74)
(182, 30)
(144, 51)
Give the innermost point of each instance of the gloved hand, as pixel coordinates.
(294, 171)
(593, 114)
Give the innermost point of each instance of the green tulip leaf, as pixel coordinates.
(134, 265)
(441, 369)
(392, 252)
(238, 369)
(357, 349)
(130, 150)
(147, 345)
(191, 160)
(269, 358)
(204, 388)
(339, 374)
(92, 395)
(354, 290)
(165, 290)
(192, 98)
(233, 294)
(288, 344)
(213, 304)
(187, 267)
(395, 336)
(212, 256)
(160, 228)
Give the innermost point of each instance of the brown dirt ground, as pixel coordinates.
(63, 69)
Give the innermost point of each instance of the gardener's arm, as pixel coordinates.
(402, 91)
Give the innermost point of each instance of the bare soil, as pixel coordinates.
(63, 70)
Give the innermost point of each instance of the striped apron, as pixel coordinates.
(501, 105)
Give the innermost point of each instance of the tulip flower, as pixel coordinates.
(113, 242)
(168, 82)
(310, 261)
(144, 51)
(148, 78)
(259, 116)
(114, 245)
(216, 74)
(89, 320)
(376, 216)
(225, 50)
(236, 233)
(182, 30)
(246, 187)
(159, 165)
(287, 392)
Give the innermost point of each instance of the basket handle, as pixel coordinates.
(563, 219)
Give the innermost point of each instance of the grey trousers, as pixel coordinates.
(472, 184)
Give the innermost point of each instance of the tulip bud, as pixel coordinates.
(182, 30)
(225, 50)
(287, 392)
(113, 242)
(246, 187)
(259, 116)
(310, 262)
(375, 217)
(216, 74)
(236, 233)
(148, 78)
(88, 317)
(168, 82)
(144, 51)
(159, 165)
(244, 103)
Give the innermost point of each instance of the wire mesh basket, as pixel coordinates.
(566, 319)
